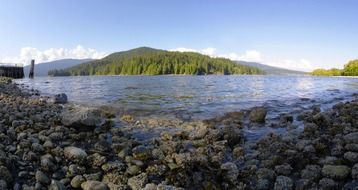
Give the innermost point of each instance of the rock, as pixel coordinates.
(352, 185)
(355, 172)
(56, 185)
(42, 178)
(138, 182)
(230, 172)
(351, 156)
(115, 166)
(258, 115)
(75, 154)
(94, 185)
(262, 184)
(59, 99)
(77, 181)
(47, 163)
(351, 138)
(233, 135)
(302, 184)
(3, 185)
(283, 169)
(311, 172)
(283, 183)
(80, 117)
(327, 183)
(74, 170)
(141, 152)
(133, 170)
(150, 186)
(321, 119)
(336, 171)
(5, 174)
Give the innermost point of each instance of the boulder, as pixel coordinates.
(336, 171)
(59, 99)
(75, 154)
(258, 115)
(82, 117)
(94, 185)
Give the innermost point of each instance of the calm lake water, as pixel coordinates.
(198, 96)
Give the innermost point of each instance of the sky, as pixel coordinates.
(295, 34)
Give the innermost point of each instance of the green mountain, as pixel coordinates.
(270, 70)
(42, 69)
(149, 61)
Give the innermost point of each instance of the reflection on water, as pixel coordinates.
(197, 96)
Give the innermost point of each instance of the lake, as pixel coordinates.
(198, 97)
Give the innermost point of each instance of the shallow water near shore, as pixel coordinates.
(201, 97)
(197, 97)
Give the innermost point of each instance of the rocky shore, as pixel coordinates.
(44, 145)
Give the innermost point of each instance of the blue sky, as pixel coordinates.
(297, 34)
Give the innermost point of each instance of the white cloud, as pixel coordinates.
(28, 53)
(255, 56)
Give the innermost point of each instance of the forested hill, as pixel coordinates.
(149, 61)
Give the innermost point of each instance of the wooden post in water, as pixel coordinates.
(32, 68)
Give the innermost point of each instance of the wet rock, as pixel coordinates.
(233, 135)
(96, 160)
(80, 117)
(336, 171)
(322, 119)
(59, 99)
(258, 114)
(75, 154)
(283, 183)
(302, 184)
(94, 185)
(138, 182)
(56, 185)
(230, 172)
(351, 157)
(42, 178)
(77, 181)
(141, 152)
(327, 183)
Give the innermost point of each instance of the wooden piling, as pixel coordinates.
(12, 71)
(32, 68)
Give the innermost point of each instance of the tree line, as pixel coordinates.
(158, 63)
(350, 69)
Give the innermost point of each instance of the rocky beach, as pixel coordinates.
(47, 145)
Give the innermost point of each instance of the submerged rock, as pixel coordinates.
(258, 115)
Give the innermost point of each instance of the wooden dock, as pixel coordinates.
(11, 71)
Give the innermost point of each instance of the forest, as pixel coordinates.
(149, 61)
(350, 69)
